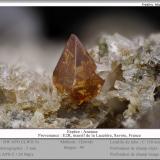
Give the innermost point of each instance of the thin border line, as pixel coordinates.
(67, 4)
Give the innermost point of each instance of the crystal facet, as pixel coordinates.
(75, 73)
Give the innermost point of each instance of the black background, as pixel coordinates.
(59, 22)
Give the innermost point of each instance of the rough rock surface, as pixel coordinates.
(129, 96)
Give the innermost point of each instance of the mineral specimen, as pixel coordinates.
(129, 97)
(75, 73)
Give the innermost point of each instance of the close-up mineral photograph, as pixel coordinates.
(79, 67)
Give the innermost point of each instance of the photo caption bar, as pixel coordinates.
(79, 133)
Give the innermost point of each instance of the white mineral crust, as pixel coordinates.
(130, 68)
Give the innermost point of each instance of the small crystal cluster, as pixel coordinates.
(24, 94)
(131, 89)
(139, 62)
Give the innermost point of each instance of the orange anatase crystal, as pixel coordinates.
(75, 73)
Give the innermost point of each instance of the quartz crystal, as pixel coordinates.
(75, 73)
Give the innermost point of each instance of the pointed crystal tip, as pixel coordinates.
(75, 73)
